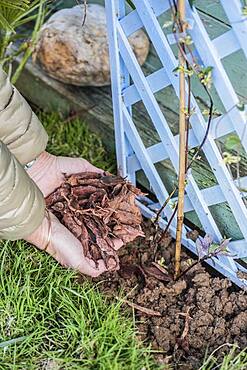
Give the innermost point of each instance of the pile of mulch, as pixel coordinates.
(98, 208)
(182, 319)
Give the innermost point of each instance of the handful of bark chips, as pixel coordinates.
(97, 208)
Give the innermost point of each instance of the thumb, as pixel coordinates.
(71, 166)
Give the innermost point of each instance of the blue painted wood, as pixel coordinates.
(238, 21)
(116, 83)
(226, 44)
(164, 132)
(125, 80)
(221, 126)
(211, 151)
(143, 88)
(157, 80)
(147, 165)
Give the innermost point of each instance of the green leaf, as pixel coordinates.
(4, 23)
(232, 142)
(213, 247)
(244, 11)
(131, 4)
(176, 69)
(207, 70)
(241, 106)
(191, 3)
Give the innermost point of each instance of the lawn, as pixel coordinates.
(50, 319)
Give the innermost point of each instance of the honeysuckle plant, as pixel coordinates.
(207, 248)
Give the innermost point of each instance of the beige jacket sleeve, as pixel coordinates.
(20, 128)
(21, 202)
(22, 139)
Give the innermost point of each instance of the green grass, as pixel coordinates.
(46, 316)
(232, 361)
(74, 139)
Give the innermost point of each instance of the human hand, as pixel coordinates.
(48, 170)
(62, 245)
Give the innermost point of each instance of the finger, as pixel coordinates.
(71, 166)
(117, 243)
(95, 271)
(67, 249)
(112, 265)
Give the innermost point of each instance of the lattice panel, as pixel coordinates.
(130, 86)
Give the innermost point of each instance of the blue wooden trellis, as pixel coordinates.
(130, 85)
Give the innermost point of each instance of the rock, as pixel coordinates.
(78, 54)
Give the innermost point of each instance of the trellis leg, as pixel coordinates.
(125, 82)
(111, 11)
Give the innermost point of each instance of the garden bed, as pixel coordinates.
(197, 314)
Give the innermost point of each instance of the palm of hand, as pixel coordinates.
(48, 171)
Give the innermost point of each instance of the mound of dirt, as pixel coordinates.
(182, 319)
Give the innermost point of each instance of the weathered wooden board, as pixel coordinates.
(94, 105)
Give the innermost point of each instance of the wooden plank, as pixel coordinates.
(212, 8)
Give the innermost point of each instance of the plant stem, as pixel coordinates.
(200, 260)
(21, 65)
(38, 23)
(182, 147)
(4, 43)
(164, 205)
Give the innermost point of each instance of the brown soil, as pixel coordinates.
(198, 313)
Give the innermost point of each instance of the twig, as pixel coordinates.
(142, 309)
(177, 23)
(188, 121)
(210, 117)
(85, 13)
(156, 237)
(200, 260)
(168, 224)
(182, 147)
(85, 10)
(164, 205)
(183, 340)
(186, 324)
(160, 268)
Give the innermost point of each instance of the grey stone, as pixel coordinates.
(78, 54)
